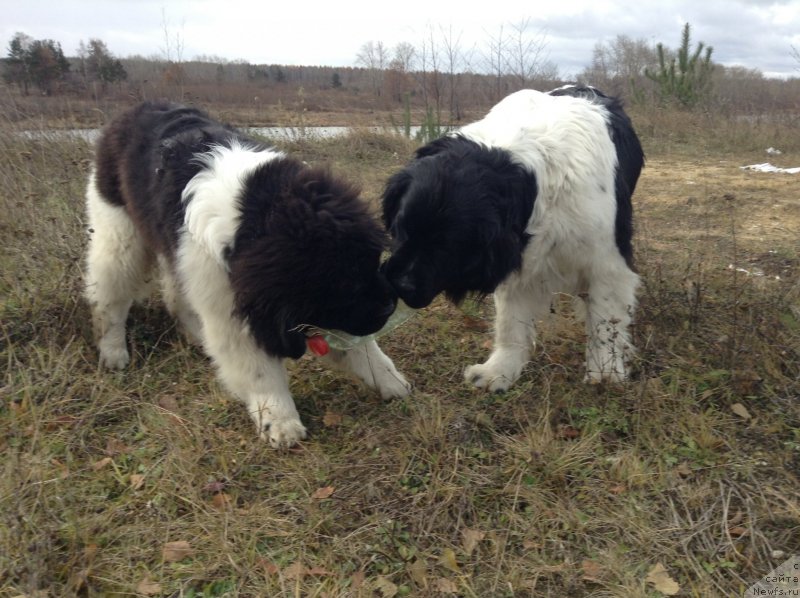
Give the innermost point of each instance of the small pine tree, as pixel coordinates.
(48, 65)
(98, 64)
(686, 77)
(18, 62)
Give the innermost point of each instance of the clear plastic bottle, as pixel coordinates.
(338, 339)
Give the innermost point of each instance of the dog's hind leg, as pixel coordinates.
(370, 365)
(177, 305)
(117, 267)
(609, 306)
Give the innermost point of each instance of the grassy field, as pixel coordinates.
(152, 482)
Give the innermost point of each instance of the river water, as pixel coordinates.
(276, 133)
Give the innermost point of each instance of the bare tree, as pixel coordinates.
(620, 64)
(373, 56)
(405, 57)
(525, 53)
(397, 80)
(429, 73)
(173, 54)
(796, 56)
(456, 63)
(494, 61)
(173, 42)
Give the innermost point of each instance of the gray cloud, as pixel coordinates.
(753, 33)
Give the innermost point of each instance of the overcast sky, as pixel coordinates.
(756, 34)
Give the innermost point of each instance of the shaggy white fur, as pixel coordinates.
(566, 142)
(198, 292)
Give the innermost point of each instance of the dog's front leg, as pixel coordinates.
(514, 336)
(259, 380)
(371, 365)
(276, 418)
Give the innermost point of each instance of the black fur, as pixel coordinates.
(144, 160)
(458, 214)
(307, 250)
(630, 161)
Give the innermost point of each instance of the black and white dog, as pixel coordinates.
(252, 245)
(532, 200)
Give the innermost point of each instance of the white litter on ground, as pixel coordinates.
(767, 167)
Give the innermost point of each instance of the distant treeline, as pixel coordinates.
(438, 78)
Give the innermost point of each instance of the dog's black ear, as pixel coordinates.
(396, 188)
(437, 146)
(292, 344)
(503, 255)
(276, 331)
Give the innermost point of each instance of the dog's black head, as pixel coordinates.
(307, 252)
(457, 215)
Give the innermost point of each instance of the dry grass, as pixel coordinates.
(552, 489)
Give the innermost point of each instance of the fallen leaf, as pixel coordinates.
(568, 432)
(617, 489)
(661, 581)
(448, 559)
(318, 571)
(470, 539)
(385, 587)
(294, 571)
(148, 587)
(331, 419)
(177, 551)
(89, 552)
(737, 531)
(77, 581)
(418, 572)
(115, 447)
(475, 324)
(531, 545)
(324, 492)
(98, 465)
(168, 403)
(221, 501)
(746, 382)
(63, 470)
(357, 579)
(592, 571)
(446, 586)
(270, 568)
(741, 411)
(137, 481)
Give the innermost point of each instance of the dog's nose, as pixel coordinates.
(404, 285)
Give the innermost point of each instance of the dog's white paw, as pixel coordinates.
(113, 357)
(282, 433)
(393, 385)
(593, 377)
(490, 377)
